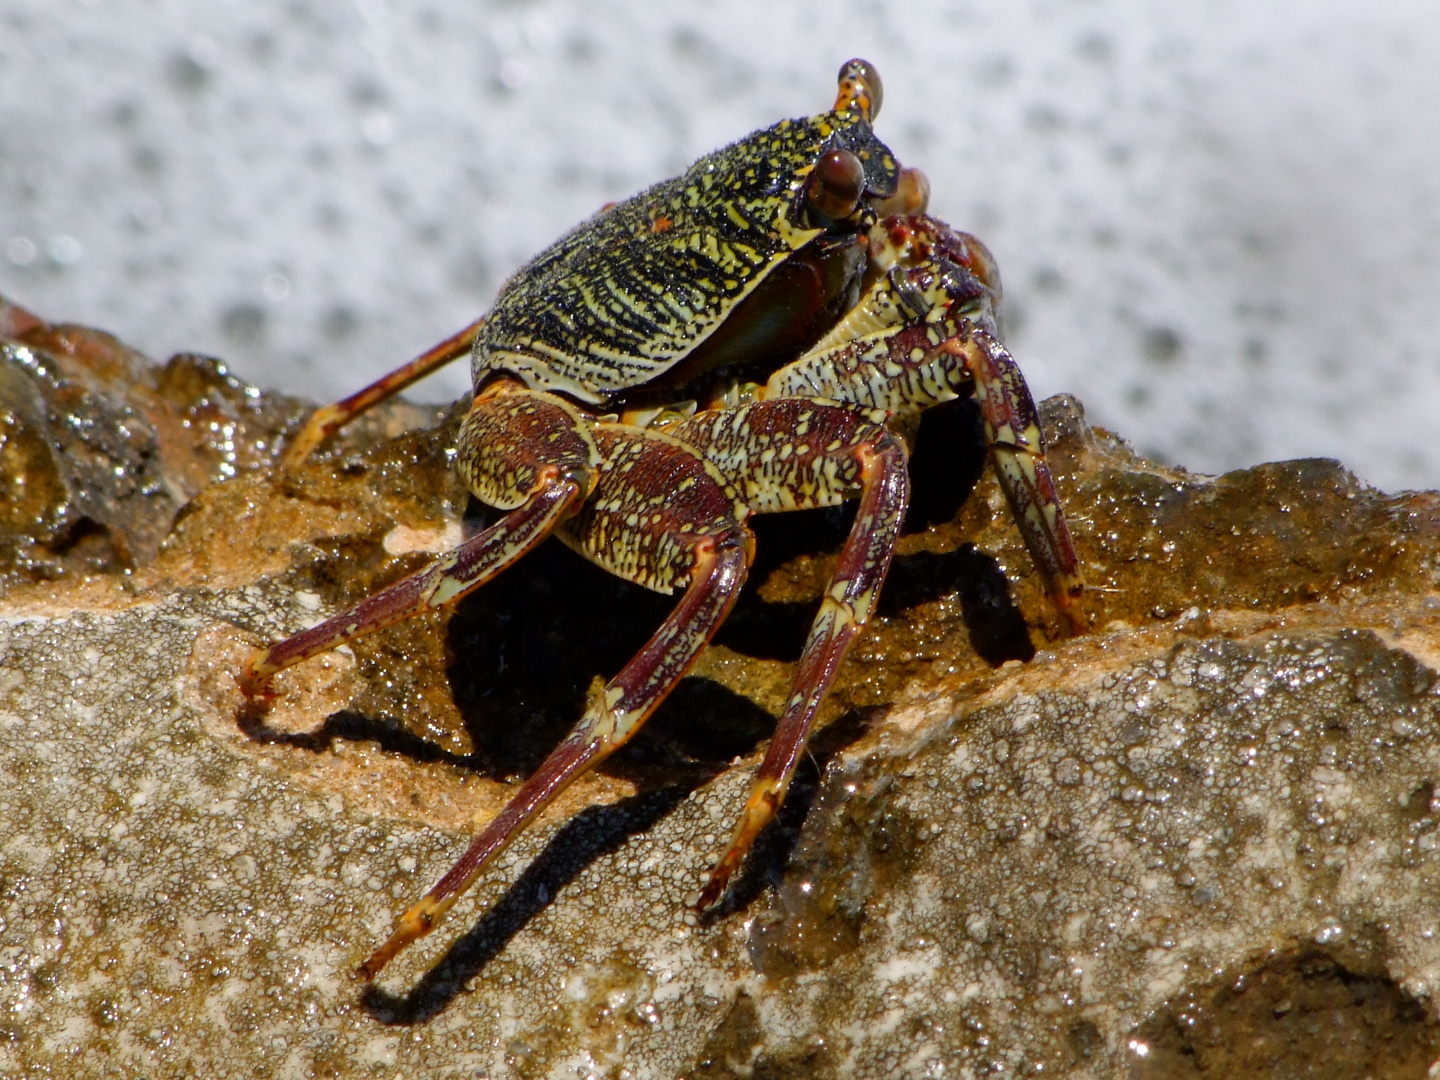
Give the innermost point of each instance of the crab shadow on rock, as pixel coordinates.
(591, 835)
(522, 653)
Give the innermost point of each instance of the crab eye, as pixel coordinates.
(912, 195)
(835, 185)
(860, 85)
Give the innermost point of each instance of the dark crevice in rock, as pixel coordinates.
(1307, 1013)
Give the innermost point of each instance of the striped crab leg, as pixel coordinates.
(794, 454)
(923, 335)
(521, 451)
(626, 702)
(444, 581)
(328, 419)
(659, 517)
(1012, 432)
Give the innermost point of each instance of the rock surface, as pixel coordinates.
(1203, 838)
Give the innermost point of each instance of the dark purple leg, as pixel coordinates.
(658, 516)
(519, 451)
(792, 454)
(628, 700)
(444, 581)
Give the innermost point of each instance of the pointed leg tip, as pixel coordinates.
(1073, 621)
(255, 685)
(413, 925)
(318, 427)
(1065, 596)
(382, 956)
(375, 963)
(709, 895)
(255, 690)
(718, 883)
(295, 456)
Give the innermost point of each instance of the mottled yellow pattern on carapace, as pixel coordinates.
(621, 300)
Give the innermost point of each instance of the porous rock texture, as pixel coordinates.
(1200, 839)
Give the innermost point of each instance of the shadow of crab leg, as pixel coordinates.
(794, 454)
(328, 419)
(693, 539)
(518, 450)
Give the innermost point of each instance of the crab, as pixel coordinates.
(757, 335)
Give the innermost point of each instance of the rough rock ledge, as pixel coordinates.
(1202, 839)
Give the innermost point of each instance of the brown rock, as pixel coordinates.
(1201, 837)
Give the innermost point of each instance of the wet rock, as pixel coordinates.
(1043, 861)
(1202, 835)
(100, 448)
(1304, 1012)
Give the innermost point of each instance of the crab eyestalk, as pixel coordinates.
(912, 196)
(834, 187)
(860, 88)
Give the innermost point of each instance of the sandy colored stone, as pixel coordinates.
(1009, 850)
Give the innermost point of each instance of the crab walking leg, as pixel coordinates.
(627, 701)
(794, 454)
(519, 450)
(843, 613)
(328, 419)
(444, 581)
(903, 369)
(678, 528)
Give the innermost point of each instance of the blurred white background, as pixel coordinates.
(1217, 221)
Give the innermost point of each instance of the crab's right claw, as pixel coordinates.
(1017, 446)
